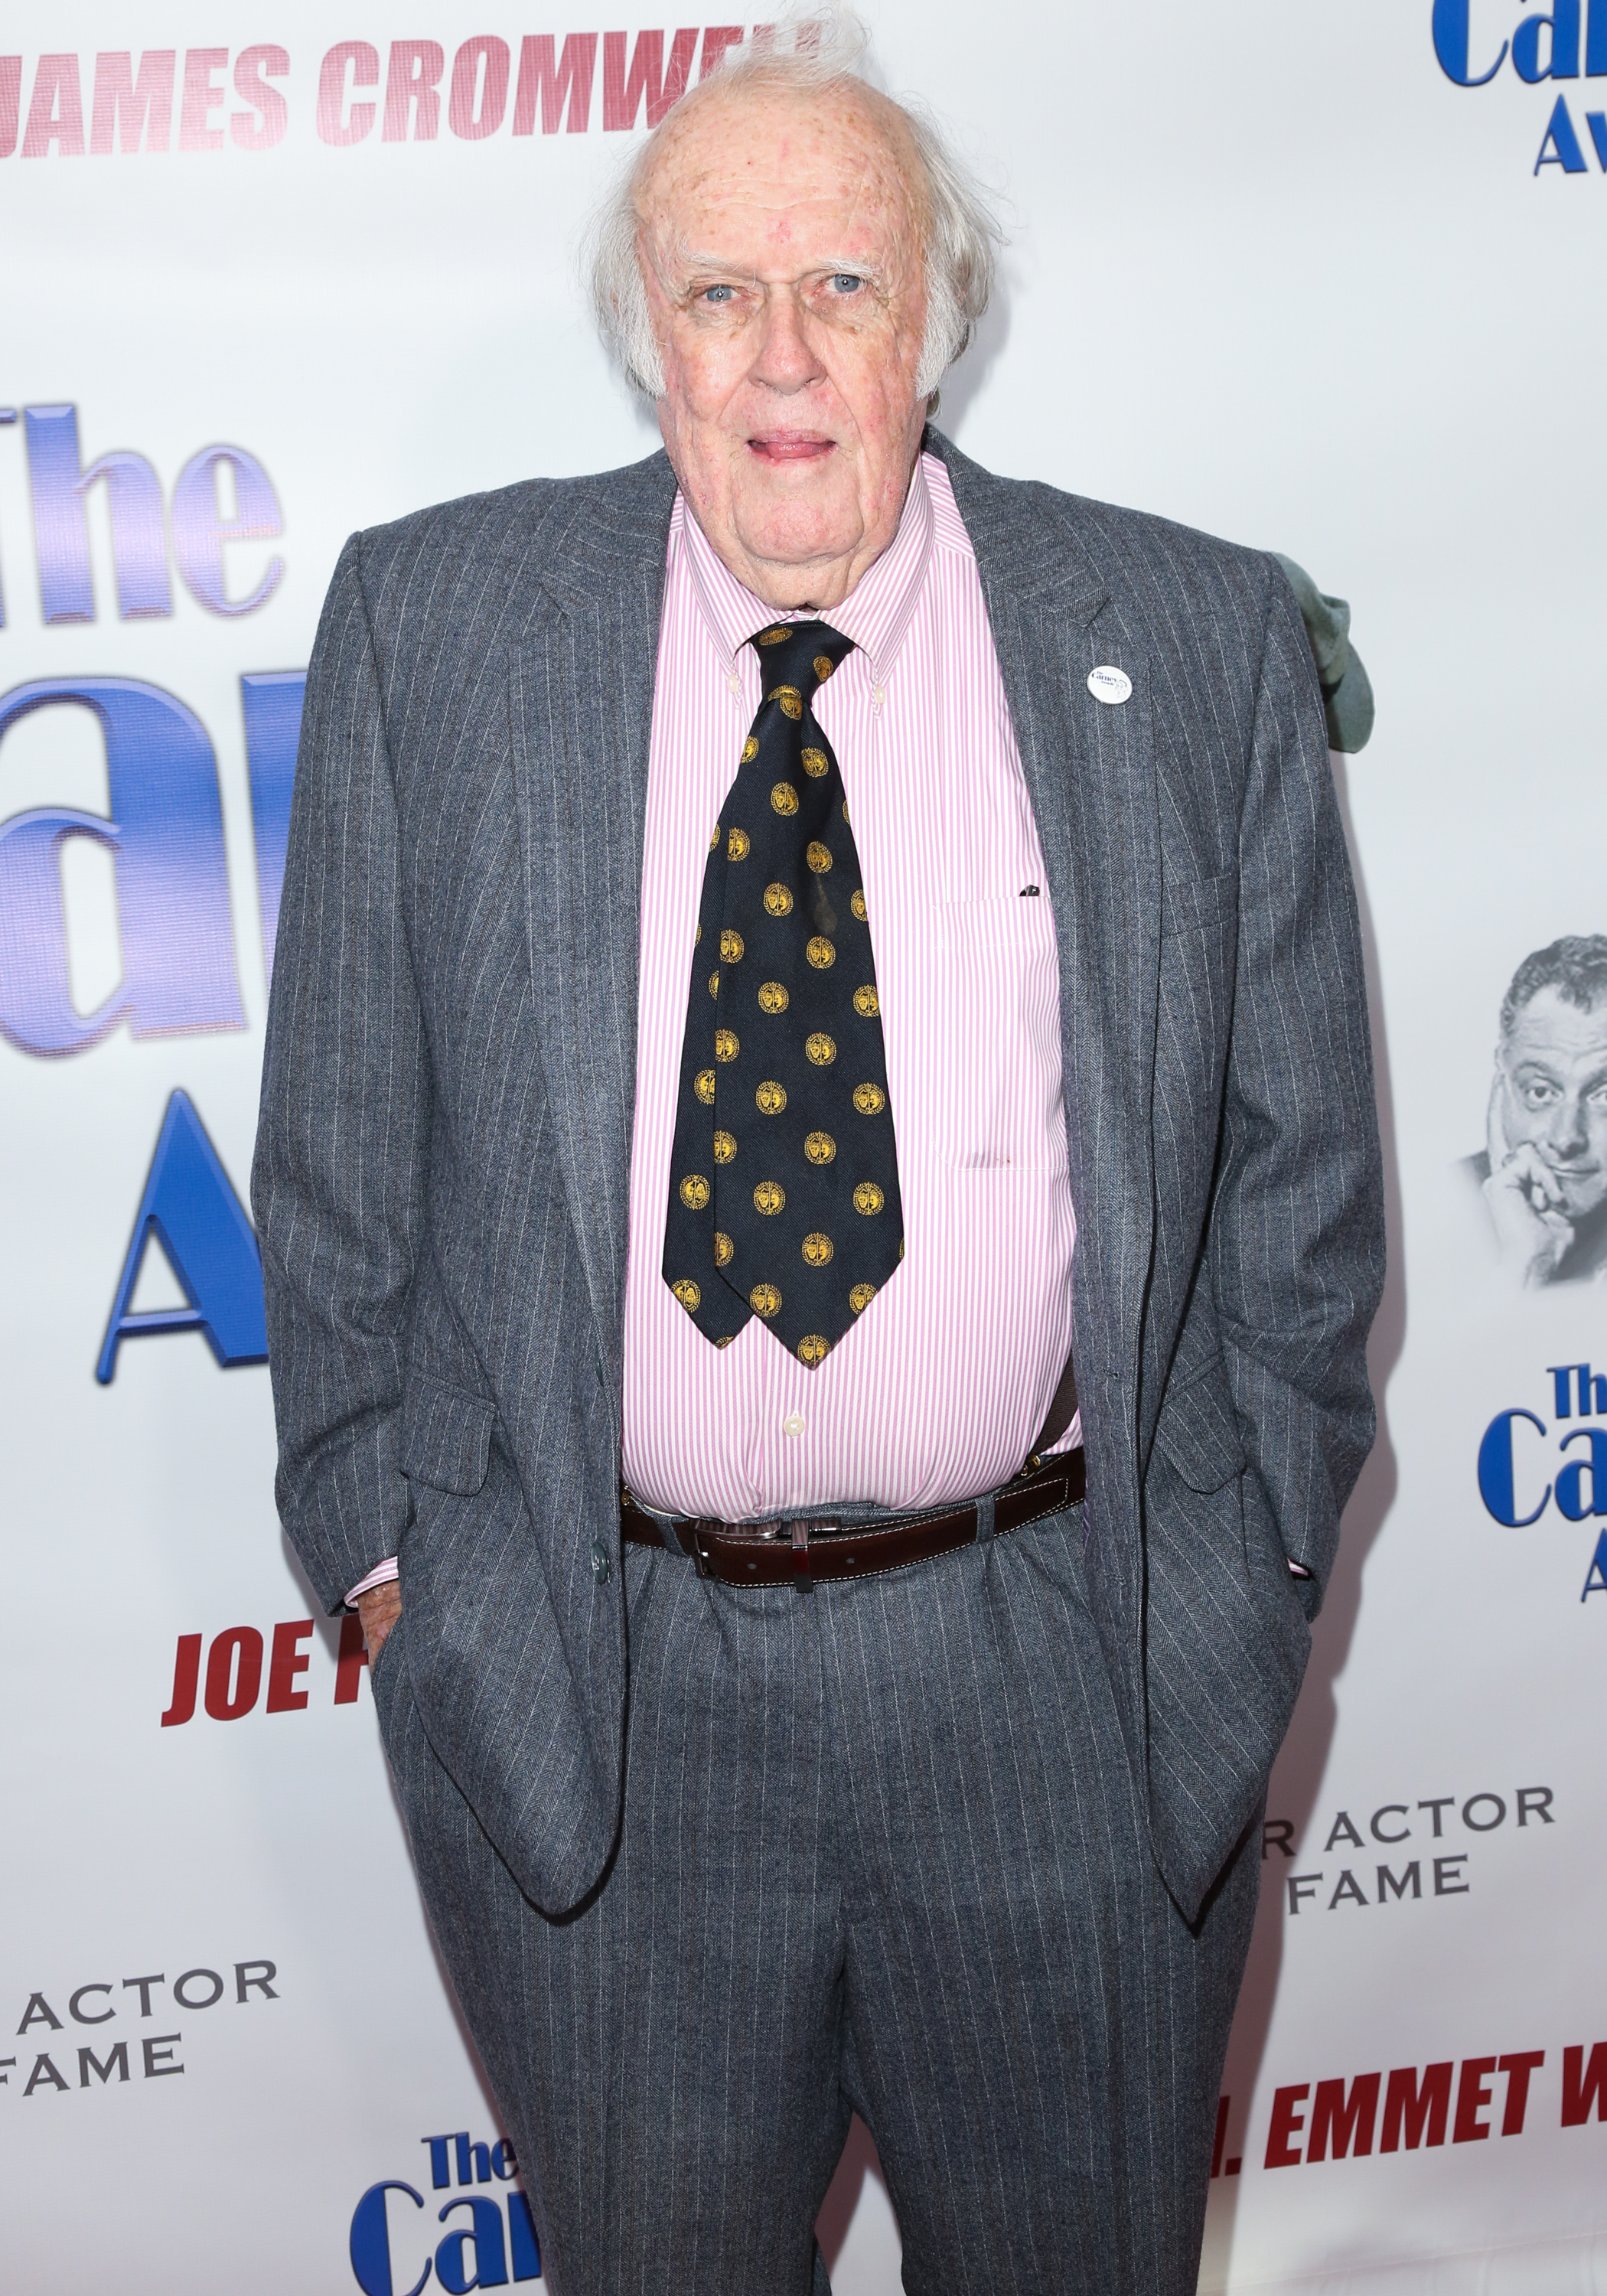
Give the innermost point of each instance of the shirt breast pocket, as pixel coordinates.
(997, 1099)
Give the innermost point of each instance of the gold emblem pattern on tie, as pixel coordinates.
(813, 1228)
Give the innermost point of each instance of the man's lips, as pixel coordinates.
(778, 446)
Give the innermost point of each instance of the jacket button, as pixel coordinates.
(600, 1565)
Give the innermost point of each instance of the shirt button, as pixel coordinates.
(793, 1424)
(600, 1565)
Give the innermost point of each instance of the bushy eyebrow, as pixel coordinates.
(690, 267)
(1533, 1070)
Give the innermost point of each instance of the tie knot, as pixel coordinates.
(800, 656)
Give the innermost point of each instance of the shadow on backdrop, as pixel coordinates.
(1304, 1761)
(329, 1635)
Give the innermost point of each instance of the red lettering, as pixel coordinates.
(1286, 2123)
(269, 118)
(336, 125)
(570, 76)
(186, 1675)
(413, 91)
(478, 96)
(352, 1658)
(1405, 2102)
(247, 1642)
(1472, 2090)
(287, 1661)
(1584, 2085)
(127, 108)
(1517, 2066)
(56, 113)
(716, 39)
(622, 93)
(1332, 2115)
(201, 99)
(11, 103)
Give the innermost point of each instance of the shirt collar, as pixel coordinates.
(876, 613)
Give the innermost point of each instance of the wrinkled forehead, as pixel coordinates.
(1553, 1029)
(779, 163)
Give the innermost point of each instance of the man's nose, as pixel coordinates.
(785, 361)
(1567, 1129)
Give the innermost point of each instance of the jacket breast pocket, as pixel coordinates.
(446, 1435)
(1199, 904)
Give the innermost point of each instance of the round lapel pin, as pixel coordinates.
(1109, 685)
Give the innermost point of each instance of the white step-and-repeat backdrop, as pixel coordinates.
(1325, 279)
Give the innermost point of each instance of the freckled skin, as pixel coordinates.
(782, 244)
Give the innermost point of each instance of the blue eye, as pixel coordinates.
(716, 294)
(847, 282)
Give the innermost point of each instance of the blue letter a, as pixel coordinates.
(203, 1228)
(1564, 144)
(1595, 1577)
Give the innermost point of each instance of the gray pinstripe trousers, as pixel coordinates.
(883, 1847)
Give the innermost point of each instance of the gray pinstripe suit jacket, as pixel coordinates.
(442, 1169)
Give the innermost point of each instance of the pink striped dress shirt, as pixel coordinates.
(942, 1384)
(940, 1387)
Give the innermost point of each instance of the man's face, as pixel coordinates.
(781, 245)
(1553, 1070)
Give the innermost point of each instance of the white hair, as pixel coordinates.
(810, 55)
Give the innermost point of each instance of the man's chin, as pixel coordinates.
(794, 532)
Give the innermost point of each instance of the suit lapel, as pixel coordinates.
(1090, 768)
(580, 698)
(581, 690)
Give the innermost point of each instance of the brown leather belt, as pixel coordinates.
(797, 1553)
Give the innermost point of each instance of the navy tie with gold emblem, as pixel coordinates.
(784, 1186)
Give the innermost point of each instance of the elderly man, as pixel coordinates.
(787, 950)
(1544, 1168)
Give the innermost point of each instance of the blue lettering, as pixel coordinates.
(201, 1226)
(1596, 1580)
(1596, 121)
(1564, 150)
(491, 2256)
(36, 1010)
(1592, 1389)
(1595, 41)
(172, 882)
(526, 2249)
(139, 548)
(200, 533)
(1563, 57)
(370, 2244)
(1497, 1477)
(440, 2174)
(1451, 44)
(1572, 1500)
(1562, 1387)
(272, 701)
